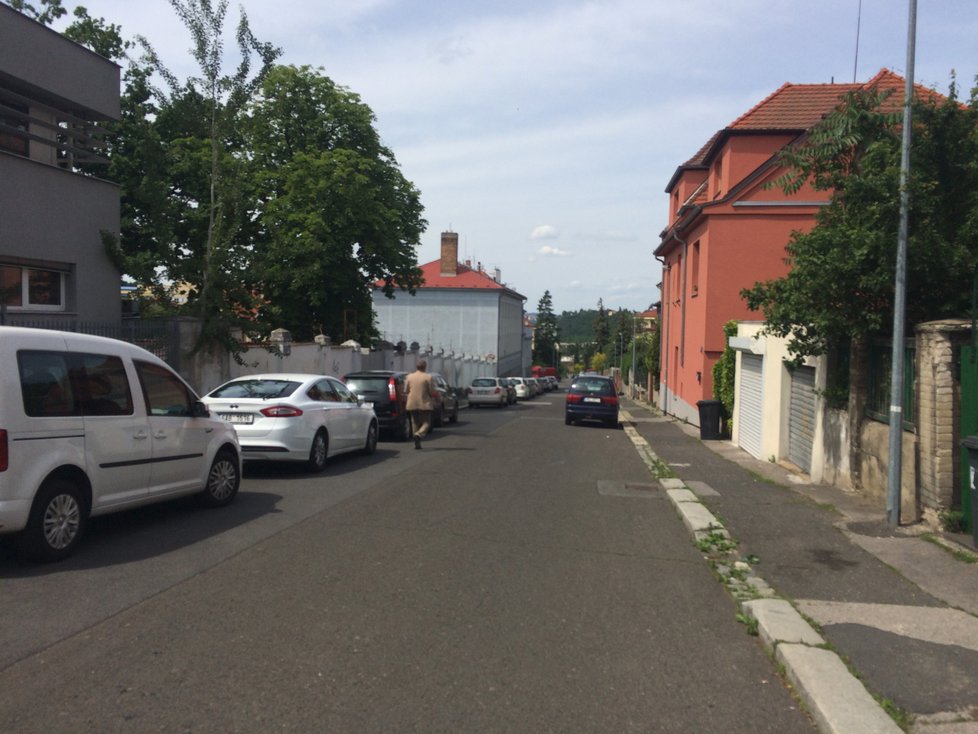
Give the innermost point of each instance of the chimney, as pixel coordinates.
(449, 253)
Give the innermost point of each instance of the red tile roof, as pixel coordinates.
(798, 107)
(468, 278)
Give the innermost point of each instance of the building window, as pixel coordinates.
(694, 266)
(13, 127)
(32, 288)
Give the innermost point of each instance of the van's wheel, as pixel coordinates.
(318, 452)
(56, 524)
(371, 444)
(223, 480)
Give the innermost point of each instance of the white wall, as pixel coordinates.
(338, 361)
(475, 323)
(776, 393)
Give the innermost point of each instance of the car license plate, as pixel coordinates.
(240, 418)
(592, 400)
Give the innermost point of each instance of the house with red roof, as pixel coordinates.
(727, 229)
(459, 309)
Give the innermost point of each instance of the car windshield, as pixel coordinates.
(365, 385)
(598, 387)
(484, 382)
(261, 389)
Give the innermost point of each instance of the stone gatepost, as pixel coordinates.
(938, 412)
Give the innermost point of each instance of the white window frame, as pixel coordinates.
(25, 290)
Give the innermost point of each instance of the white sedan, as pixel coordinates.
(295, 417)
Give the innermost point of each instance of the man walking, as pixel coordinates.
(419, 388)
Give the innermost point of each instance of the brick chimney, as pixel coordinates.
(449, 253)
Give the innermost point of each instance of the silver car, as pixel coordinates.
(295, 417)
(488, 391)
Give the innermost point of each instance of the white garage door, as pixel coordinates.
(750, 402)
(801, 421)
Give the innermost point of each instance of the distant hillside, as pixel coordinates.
(576, 326)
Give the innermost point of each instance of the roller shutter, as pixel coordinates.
(801, 421)
(750, 404)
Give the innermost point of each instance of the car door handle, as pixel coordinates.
(140, 435)
(159, 434)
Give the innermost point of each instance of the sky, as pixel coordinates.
(544, 132)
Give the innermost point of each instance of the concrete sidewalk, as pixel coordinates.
(861, 616)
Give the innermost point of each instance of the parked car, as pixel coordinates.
(449, 400)
(535, 386)
(89, 426)
(510, 390)
(554, 382)
(385, 389)
(488, 391)
(592, 397)
(523, 390)
(295, 417)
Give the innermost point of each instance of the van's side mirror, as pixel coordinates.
(200, 410)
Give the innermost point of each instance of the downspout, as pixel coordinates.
(664, 338)
(682, 297)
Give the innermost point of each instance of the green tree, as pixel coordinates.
(545, 333)
(599, 362)
(47, 12)
(621, 339)
(840, 285)
(602, 331)
(334, 213)
(199, 127)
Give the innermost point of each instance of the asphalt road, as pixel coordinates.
(516, 575)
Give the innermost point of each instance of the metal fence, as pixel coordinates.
(879, 379)
(159, 336)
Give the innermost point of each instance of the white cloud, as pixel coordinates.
(544, 232)
(548, 251)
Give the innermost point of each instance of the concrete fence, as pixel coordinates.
(207, 370)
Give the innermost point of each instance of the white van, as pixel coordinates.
(90, 425)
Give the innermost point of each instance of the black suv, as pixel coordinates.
(385, 389)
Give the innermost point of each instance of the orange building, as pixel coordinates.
(728, 228)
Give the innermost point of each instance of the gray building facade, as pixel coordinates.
(54, 94)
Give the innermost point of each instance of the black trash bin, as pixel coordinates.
(971, 443)
(711, 411)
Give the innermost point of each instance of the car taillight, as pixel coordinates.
(4, 456)
(574, 397)
(498, 391)
(392, 391)
(280, 411)
(610, 400)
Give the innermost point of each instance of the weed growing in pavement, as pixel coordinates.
(749, 622)
(900, 716)
(716, 543)
(660, 470)
(952, 521)
(960, 554)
